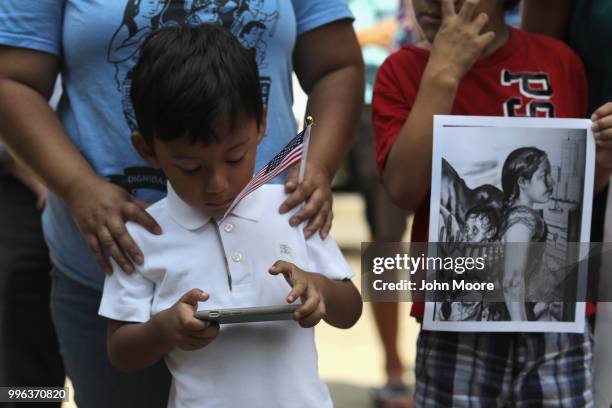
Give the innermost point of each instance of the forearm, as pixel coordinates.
(335, 102)
(549, 17)
(343, 303)
(135, 346)
(516, 311)
(33, 134)
(513, 286)
(407, 172)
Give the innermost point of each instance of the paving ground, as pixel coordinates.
(350, 361)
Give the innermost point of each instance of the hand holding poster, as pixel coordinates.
(516, 192)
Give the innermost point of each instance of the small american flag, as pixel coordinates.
(285, 158)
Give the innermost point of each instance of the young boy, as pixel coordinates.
(196, 96)
(473, 64)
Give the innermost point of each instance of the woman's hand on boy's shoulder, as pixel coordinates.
(602, 130)
(101, 210)
(179, 326)
(459, 41)
(316, 192)
(307, 286)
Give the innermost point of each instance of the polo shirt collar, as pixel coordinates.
(249, 208)
(184, 214)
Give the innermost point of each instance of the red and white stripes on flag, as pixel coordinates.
(285, 158)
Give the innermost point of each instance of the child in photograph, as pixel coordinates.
(472, 63)
(481, 224)
(200, 118)
(480, 228)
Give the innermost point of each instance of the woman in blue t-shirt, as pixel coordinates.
(97, 181)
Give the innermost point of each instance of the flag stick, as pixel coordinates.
(309, 124)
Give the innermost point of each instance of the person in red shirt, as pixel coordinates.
(474, 64)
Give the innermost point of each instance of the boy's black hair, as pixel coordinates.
(192, 80)
(510, 4)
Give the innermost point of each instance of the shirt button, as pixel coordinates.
(237, 257)
(229, 228)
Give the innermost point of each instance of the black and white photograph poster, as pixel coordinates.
(511, 197)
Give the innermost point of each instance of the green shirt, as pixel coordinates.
(590, 36)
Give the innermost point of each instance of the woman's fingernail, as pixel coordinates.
(294, 221)
(158, 230)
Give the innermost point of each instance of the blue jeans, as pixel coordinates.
(82, 339)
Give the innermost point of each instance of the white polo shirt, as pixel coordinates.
(267, 364)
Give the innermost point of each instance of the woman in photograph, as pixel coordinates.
(526, 182)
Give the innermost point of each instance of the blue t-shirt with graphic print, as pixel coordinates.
(97, 42)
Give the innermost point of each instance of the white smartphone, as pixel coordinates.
(248, 314)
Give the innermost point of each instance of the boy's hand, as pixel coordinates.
(602, 130)
(181, 328)
(459, 43)
(100, 211)
(306, 285)
(316, 192)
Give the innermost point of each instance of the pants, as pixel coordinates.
(82, 337)
(504, 369)
(29, 354)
